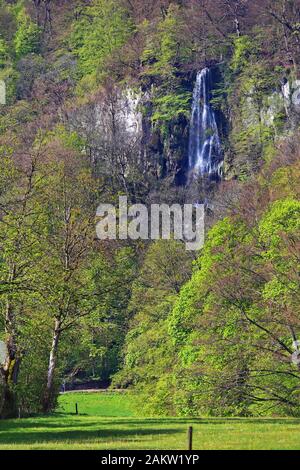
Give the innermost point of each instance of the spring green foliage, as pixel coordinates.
(245, 51)
(170, 107)
(104, 330)
(166, 50)
(103, 29)
(28, 35)
(235, 320)
(148, 348)
(3, 53)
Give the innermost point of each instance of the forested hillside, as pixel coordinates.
(103, 99)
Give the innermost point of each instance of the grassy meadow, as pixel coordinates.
(109, 421)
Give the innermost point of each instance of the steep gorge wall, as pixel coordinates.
(246, 128)
(252, 113)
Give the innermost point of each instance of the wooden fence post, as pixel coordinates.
(76, 408)
(190, 438)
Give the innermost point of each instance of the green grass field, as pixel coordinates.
(109, 421)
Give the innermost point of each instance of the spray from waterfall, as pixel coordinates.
(205, 152)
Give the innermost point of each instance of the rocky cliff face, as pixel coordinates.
(123, 118)
(166, 154)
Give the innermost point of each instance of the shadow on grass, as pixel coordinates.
(61, 428)
(14, 434)
(205, 421)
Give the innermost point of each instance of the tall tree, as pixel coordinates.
(21, 226)
(70, 201)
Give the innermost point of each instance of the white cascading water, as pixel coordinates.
(205, 152)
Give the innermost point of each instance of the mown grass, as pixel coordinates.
(108, 421)
(105, 404)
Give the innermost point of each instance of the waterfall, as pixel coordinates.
(205, 152)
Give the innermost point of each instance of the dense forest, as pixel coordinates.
(99, 102)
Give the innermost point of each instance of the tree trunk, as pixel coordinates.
(37, 4)
(10, 370)
(49, 392)
(48, 17)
